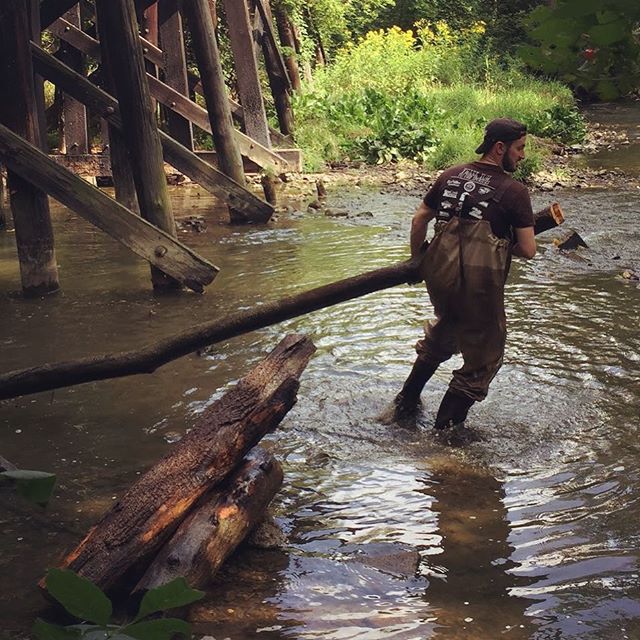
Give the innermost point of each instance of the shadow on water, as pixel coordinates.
(526, 530)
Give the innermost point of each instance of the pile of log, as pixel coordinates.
(186, 514)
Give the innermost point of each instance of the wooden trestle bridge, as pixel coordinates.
(136, 48)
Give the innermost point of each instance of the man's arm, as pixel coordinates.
(419, 224)
(525, 246)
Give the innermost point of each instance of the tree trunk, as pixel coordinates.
(218, 525)
(137, 526)
(147, 360)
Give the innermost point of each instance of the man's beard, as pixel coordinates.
(508, 165)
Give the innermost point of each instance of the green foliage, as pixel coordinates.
(593, 45)
(428, 100)
(35, 486)
(86, 602)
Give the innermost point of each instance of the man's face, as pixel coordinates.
(513, 154)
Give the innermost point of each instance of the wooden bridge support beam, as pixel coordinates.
(205, 47)
(175, 67)
(120, 45)
(185, 161)
(18, 111)
(246, 66)
(276, 69)
(75, 139)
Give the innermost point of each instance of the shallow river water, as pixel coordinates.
(528, 528)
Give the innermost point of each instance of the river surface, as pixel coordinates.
(527, 526)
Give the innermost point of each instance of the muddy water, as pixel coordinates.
(524, 526)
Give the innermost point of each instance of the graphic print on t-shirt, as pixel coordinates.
(469, 182)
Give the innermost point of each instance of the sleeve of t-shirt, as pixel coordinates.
(432, 199)
(519, 207)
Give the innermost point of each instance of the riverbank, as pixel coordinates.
(565, 166)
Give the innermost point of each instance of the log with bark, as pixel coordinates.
(218, 525)
(149, 358)
(139, 524)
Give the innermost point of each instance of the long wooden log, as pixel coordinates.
(151, 510)
(175, 154)
(211, 532)
(148, 359)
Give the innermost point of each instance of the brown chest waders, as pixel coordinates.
(465, 269)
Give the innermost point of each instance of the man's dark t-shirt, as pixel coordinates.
(470, 189)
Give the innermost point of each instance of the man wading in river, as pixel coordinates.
(482, 217)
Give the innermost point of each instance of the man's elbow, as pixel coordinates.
(528, 252)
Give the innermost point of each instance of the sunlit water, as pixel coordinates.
(528, 528)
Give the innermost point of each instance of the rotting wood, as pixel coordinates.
(149, 242)
(149, 358)
(150, 511)
(215, 527)
(19, 112)
(175, 154)
(120, 44)
(175, 68)
(246, 67)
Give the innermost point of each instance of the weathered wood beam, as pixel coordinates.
(246, 67)
(51, 10)
(19, 112)
(212, 530)
(147, 515)
(148, 359)
(175, 154)
(205, 46)
(75, 138)
(178, 103)
(119, 43)
(144, 239)
(175, 68)
(276, 70)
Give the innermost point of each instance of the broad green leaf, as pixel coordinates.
(35, 486)
(606, 34)
(578, 9)
(79, 596)
(44, 631)
(163, 629)
(176, 593)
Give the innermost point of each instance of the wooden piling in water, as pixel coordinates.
(246, 66)
(175, 68)
(18, 111)
(205, 48)
(118, 25)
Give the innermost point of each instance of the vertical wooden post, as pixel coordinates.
(74, 114)
(117, 20)
(3, 217)
(205, 46)
(175, 67)
(114, 142)
(287, 39)
(278, 79)
(240, 33)
(29, 205)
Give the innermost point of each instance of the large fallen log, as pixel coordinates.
(137, 526)
(149, 358)
(214, 529)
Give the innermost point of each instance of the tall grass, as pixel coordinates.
(424, 97)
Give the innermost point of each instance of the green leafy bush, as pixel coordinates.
(86, 602)
(424, 97)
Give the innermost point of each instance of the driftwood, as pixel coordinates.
(139, 524)
(215, 528)
(149, 358)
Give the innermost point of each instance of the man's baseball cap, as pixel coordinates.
(501, 130)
